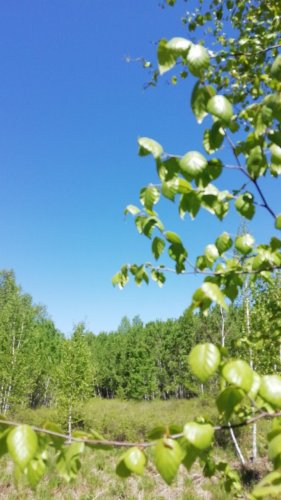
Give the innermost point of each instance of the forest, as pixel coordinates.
(46, 375)
(41, 367)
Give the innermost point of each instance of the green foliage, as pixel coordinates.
(204, 360)
(168, 456)
(199, 435)
(243, 75)
(239, 88)
(22, 444)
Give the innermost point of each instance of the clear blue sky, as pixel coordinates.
(71, 111)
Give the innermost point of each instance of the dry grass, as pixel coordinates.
(128, 421)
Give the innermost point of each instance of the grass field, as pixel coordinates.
(128, 420)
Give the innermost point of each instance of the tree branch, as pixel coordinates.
(244, 171)
(129, 444)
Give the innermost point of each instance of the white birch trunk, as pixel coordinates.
(232, 434)
(70, 423)
(237, 447)
(248, 329)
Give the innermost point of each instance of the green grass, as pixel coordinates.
(130, 421)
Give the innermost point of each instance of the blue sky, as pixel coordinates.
(71, 112)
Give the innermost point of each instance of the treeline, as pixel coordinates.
(41, 367)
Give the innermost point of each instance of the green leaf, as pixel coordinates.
(158, 246)
(211, 253)
(35, 470)
(245, 205)
(121, 279)
(149, 196)
(198, 60)
(204, 360)
(268, 487)
(168, 456)
(131, 209)
(22, 444)
(121, 470)
(190, 203)
(255, 386)
(199, 98)
(172, 237)
(256, 162)
(158, 276)
(213, 171)
(228, 400)
(157, 433)
(244, 244)
(191, 454)
(220, 107)
(149, 146)
(223, 243)
(213, 138)
(179, 45)
(149, 223)
(239, 373)
(168, 169)
(135, 460)
(274, 448)
(270, 390)
(275, 167)
(181, 186)
(278, 222)
(178, 253)
(68, 463)
(57, 441)
(199, 435)
(206, 294)
(276, 68)
(3, 442)
(166, 58)
(193, 163)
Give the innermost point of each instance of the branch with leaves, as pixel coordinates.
(238, 93)
(30, 447)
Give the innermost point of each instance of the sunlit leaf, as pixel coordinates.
(199, 435)
(22, 444)
(135, 460)
(198, 60)
(223, 243)
(270, 389)
(168, 455)
(245, 205)
(193, 163)
(204, 360)
(220, 107)
(228, 399)
(199, 98)
(244, 243)
(239, 373)
(158, 245)
(278, 222)
(149, 146)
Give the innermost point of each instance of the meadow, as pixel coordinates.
(131, 421)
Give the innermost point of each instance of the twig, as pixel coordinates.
(244, 171)
(211, 273)
(128, 444)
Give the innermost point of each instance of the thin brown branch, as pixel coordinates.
(244, 172)
(249, 421)
(210, 273)
(240, 53)
(129, 444)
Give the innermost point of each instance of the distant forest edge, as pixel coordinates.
(41, 367)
